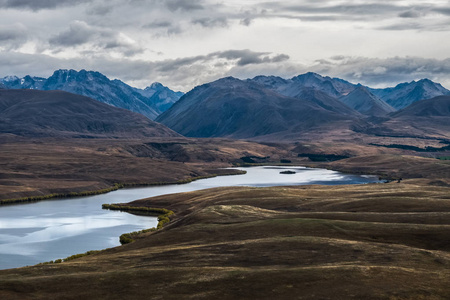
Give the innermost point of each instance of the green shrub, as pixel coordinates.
(163, 218)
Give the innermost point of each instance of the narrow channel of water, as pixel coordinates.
(52, 229)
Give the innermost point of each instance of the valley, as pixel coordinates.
(374, 241)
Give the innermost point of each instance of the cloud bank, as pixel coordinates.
(183, 43)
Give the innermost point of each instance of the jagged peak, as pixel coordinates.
(308, 75)
(10, 78)
(155, 86)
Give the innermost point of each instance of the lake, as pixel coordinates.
(52, 229)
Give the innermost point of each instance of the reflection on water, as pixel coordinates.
(48, 230)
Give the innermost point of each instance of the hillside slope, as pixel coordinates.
(58, 114)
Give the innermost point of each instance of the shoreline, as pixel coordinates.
(117, 186)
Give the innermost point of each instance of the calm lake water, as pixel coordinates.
(52, 229)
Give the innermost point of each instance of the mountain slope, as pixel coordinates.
(150, 102)
(363, 101)
(59, 114)
(425, 118)
(405, 94)
(431, 108)
(326, 101)
(243, 109)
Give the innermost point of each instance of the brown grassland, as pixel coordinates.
(376, 241)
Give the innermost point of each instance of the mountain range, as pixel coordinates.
(283, 109)
(149, 102)
(265, 106)
(243, 109)
(366, 100)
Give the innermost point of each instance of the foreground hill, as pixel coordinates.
(231, 107)
(59, 114)
(313, 242)
(150, 102)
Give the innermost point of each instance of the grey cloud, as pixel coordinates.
(369, 12)
(211, 22)
(13, 36)
(233, 58)
(410, 14)
(185, 73)
(442, 10)
(247, 57)
(246, 21)
(158, 24)
(349, 9)
(385, 72)
(186, 5)
(435, 26)
(163, 28)
(403, 26)
(39, 4)
(100, 10)
(80, 33)
(165, 31)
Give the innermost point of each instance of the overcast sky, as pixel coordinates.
(184, 43)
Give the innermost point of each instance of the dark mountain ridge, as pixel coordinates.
(230, 107)
(36, 113)
(435, 107)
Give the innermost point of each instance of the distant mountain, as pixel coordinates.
(99, 87)
(230, 107)
(61, 114)
(160, 96)
(405, 94)
(352, 96)
(295, 86)
(332, 86)
(363, 101)
(435, 107)
(425, 118)
(27, 82)
(398, 97)
(326, 101)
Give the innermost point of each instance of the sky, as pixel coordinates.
(185, 43)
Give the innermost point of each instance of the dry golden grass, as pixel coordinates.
(377, 241)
